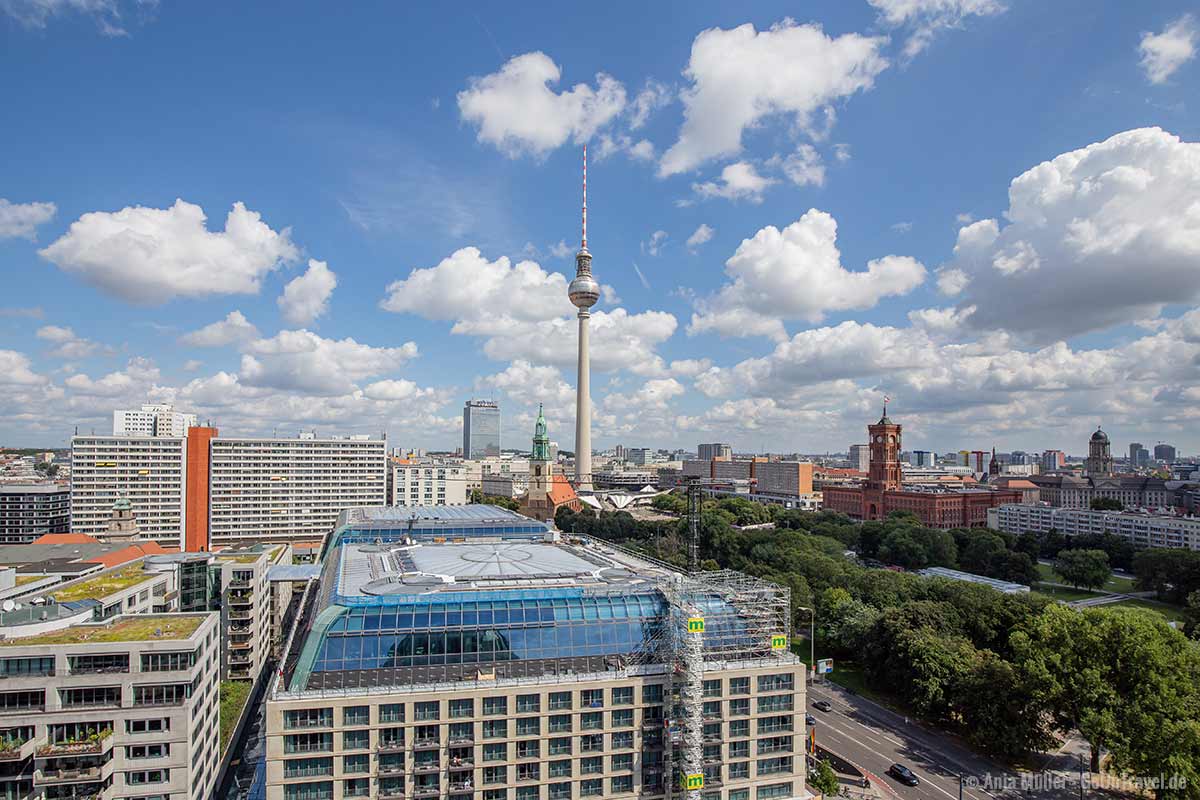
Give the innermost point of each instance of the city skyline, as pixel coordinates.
(767, 273)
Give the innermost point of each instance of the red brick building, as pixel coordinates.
(884, 492)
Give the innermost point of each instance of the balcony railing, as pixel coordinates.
(100, 744)
(390, 746)
(426, 767)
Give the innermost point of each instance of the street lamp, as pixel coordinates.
(812, 639)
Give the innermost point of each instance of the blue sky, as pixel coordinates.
(986, 209)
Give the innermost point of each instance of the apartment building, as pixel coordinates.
(430, 484)
(495, 661)
(123, 708)
(28, 511)
(149, 471)
(1142, 530)
(287, 490)
(157, 419)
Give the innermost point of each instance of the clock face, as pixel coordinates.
(879, 438)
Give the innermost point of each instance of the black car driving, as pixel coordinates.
(903, 774)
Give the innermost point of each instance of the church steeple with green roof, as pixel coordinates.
(541, 441)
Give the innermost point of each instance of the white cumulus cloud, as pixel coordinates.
(304, 362)
(234, 329)
(738, 181)
(151, 255)
(926, 17)
(307, 297)
(1164, 53)
(67, 344)
(21, 219)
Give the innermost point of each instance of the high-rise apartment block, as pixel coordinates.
(1164, 452)
(529, 668)
(430, 484)
(160, 419)
(147, 470)
(281, 490)
(709, 452)
(127, 707)
(1139, 456)
(29, 510)
(860, 457)
(481, 429)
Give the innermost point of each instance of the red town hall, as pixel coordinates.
(884, 492)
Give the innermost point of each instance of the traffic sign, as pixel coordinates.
(824, 666)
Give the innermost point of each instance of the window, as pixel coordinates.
(622, 762)
(739, 770)
(356, 715)
(308, 718)
(560, 723)
(592, 698)
(560, 747)
(356, 740)
(164, 662)
(147, 725)
(495, 729)
(307, 743)
(620, 784)
(462, 708)
(712, 752)
(774, 724)
(322, 790)
(591, 721)
(88, 697)
(560, 701)
(462, 732)
(739, 727)
(391, 738)
(712, 688)
(495, 794)
(652, 714)
(392, 712)
(652, 693)
(622, 696)
(711, 732)
(529, 726)
(773, 766)
(712, 709)
(307, 767)
(166, 694)
(560, 791)
(391, 762)
(783, 682)
(739, 686)
(24, 667)
(592, 765)
(529, 703)
(424, 712)
(560, 769)
(527, 793)
(622, 740)
(739, 707)
(356, 787)
(495, 706)
(592, 787)
(147, 776)
(391, 787)
(529, 749)
(495, 752)
(774, 703)
(147, 750)
(739, 749)
(622, 718)
(775, 744)
(739, 794)
(495, 775)
(773, 792)
(528, 772)
(591, 743)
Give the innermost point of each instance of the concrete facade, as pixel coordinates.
(1142, 530)
(28, 511)
(148, 470)
(428, 484)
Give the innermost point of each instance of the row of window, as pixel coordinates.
(594, 787)
(296, 743)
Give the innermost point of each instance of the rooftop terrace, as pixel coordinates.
(138, 628)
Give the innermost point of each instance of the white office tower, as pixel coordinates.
(429, 485)
(157, 419)
(148, 471)
(287, 490)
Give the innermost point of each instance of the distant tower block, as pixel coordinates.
(584, 291)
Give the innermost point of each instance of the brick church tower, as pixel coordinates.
(884, 473)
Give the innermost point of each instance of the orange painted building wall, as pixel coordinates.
(195, 537)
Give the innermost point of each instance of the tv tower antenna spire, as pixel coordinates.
(583, 243)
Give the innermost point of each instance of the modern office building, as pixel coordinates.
(1164, 452)
(159, 419)
(428, 484)
(147, 470)
(481, 429)
(1139, 456)
(290, 490)
(860, 457)
(30, 510)
(467, 651)
(708, 452)
(1142, 530)
(1053, 460)
(126, 707)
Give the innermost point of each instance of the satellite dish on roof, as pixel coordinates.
(9, 605)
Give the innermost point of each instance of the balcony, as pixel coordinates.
(239, 615)
(16, 750)
(391, 769)
(426, 767)
(101, 744)
(63, 775)
(461, 786)
(391, 791)
(464, 740)
(427, 791)
(462, 765)
(427, 743)
(390, 746)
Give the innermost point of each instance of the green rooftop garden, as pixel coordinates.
(23, 580)
(139, 628)
(103, 585)
(233, 696)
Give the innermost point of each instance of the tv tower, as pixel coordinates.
(584, 292)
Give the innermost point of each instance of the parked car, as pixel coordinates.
(903, 774)
(823, 705)
(809, 719)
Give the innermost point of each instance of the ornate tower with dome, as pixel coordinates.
(1099, 463)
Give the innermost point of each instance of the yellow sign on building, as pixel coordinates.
(695, 625)
(693, 781)
(779, 642)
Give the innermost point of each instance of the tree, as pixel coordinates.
(997, 710)
(1083, 568)
(1107, 504)
(824, 779)
(901, 548)
(980, 550)
(1191, 615)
